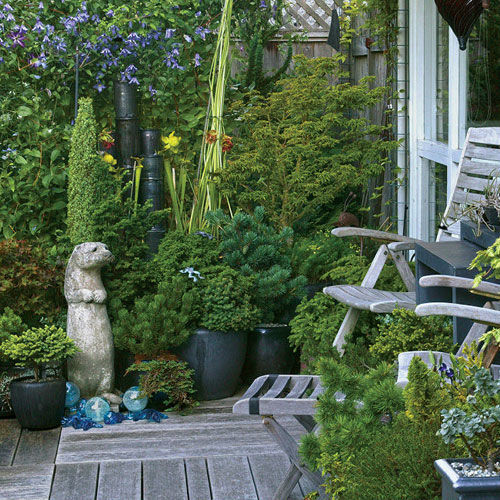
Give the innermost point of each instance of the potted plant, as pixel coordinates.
(255, 249)
(216, 350)
(38, 401)
(473, 422)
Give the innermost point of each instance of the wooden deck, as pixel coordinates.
(209, 455)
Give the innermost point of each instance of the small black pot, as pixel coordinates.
(217, 359)
(127, 141)
(38, 405)
(455, 487)
(268, 351)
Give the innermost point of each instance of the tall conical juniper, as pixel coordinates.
(84, 172)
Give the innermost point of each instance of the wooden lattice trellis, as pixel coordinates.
(312, 16)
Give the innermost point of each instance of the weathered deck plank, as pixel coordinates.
(268, 471)
(37, 447)
(230, 477)
(164, 480)
(197, 479)
(9, 437)
(224, 434)
(26, 482)
(75, 481)
(119, 480)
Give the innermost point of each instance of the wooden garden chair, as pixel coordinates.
(276, 395)
(483, 317)
(480, 161)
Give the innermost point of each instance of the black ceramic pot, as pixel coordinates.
(150, 141)
(125, 100)
(38, 405)
(151, 185)
(127, 141)
(217, 359)
(455, 487)
(268, 351)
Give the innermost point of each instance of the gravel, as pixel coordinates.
(474, 470)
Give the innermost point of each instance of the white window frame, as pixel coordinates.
(423, 144)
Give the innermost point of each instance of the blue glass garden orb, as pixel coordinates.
(96, 408)
(133, 401)
(72, 394)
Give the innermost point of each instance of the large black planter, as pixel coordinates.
(125, 100)
(150, 141)
(455, 487)
(217, 359)
(38, 405)
(268, 351)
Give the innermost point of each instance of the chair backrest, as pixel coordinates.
(479, 167)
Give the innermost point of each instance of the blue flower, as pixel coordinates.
(131, 69)
(7, 8)
(40, 6)
(450, 373)
(263, 4)
(198, 14)
(169, 33)
(197, 60)
(99, 87)
(110, 13)
(152, 91)
(10, 17)
(106, 52)
(188, 38)
(202, 32)
(133, 81)
(443, 368)
(39, 26)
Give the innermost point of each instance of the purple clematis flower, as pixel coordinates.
(110, 13)
(131, 69)
(40, 6)
(152, 91)
(99, 87)
(133, 81)
(263, 4)
(188, 38)
(169, 33)
(10, 17)
(197, 60)
(17, 38)
(39, 26)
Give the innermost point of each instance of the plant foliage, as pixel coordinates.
(38, 347)
(251, 246)
(403, 330)
(171, 378)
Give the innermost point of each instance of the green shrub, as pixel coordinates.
(371, 449)
(170, 377)
(301, 147)
(5, 380)
(315, 325)
(178, 250)
(29, 282)
(251, 246)
(157, 322)
(85, 170)
(227, 301)
(315, 255)
(404, 331)
(38, 347)
(10, 324)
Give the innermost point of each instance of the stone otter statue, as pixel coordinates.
(92, 369)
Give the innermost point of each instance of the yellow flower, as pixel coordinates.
(109, 159)
(171, 142)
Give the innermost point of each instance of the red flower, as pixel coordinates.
(107, 145)
(227, 143)
(211, 136)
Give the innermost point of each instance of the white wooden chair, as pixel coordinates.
(483, 317)
(479, 163)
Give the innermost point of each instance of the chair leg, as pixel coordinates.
(347, 326)
(288, 484)
(289, 446)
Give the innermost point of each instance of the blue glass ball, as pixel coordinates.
(96, 408)
(132, 400)
(72, 394)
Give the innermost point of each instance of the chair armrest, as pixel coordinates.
(484, 288)
(371, 233)
(399, 246)
(477, 314)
